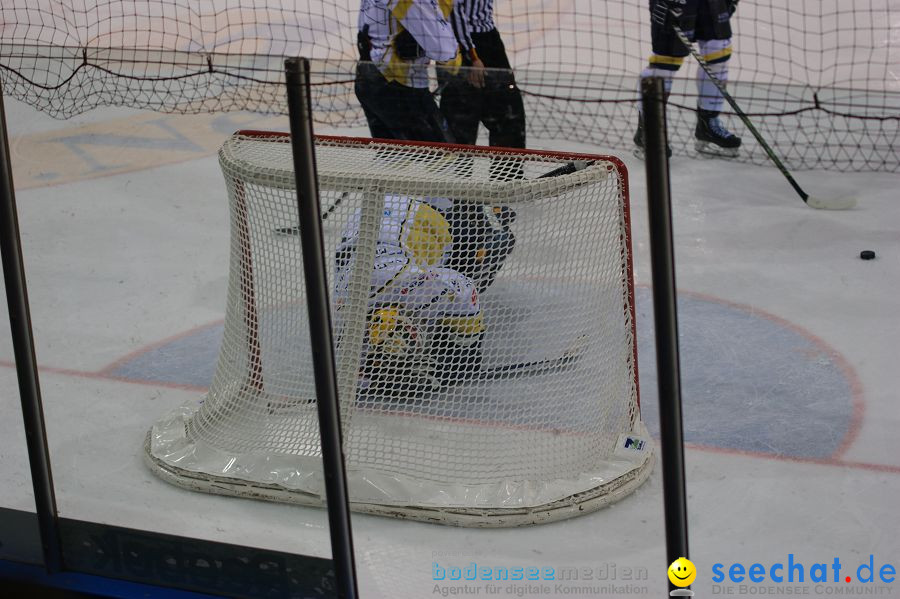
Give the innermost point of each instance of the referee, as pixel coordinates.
(488, 94)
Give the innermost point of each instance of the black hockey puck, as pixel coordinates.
(867, 255)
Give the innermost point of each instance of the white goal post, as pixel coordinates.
(538, 418)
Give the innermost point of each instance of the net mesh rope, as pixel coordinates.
(527, 426)
(818, 77)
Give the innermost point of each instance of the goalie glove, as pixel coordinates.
(663, 10)
(732, 6)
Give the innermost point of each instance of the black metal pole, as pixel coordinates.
(26, 363)
(662, 259)
(319, 307)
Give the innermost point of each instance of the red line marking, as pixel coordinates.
(156, 345)
(830, 461)
(102, 375)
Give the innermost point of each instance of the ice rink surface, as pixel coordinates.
(788, 344)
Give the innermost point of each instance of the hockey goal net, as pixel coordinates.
(527, 412)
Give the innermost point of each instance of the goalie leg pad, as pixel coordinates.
(396, 363)
(429, 334)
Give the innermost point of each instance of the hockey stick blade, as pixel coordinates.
(561, 362)
(845, 202)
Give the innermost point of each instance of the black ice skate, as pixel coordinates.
(639, 141)
(713, 139)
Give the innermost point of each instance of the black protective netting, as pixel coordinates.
(820, 78)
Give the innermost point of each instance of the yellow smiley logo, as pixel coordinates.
(682, 572)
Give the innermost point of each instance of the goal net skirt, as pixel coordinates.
(542, 425)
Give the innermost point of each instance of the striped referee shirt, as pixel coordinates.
(472, 16)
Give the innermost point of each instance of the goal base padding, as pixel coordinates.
(298, 480)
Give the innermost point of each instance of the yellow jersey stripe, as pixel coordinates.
(399, 11)
(673, 60)
(714, 56)
(446, 7)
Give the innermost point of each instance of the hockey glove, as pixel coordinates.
(407, 47)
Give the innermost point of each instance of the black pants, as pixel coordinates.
(396, 111)
(498, 104)
(702, 20)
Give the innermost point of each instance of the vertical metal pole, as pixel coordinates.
(319, 307)
(26, 363)
(662, 258)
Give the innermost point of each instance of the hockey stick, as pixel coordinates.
(561, 362)
(296, 230)
(567, 169)
(823, 203)
(565, 360)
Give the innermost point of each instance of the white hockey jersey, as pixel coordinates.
(408, 271)
(426, 20)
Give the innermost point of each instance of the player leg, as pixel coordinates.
(426, 122)
(668, 54)
(396, 111)
(451, 326)
(425, 332)
(382, 353)
(665, 70)
(461, 105)
(368, 88)
(714, 36)
(394, 361)
(504, 112)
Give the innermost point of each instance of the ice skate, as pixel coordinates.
(638, 150)
(713, 139)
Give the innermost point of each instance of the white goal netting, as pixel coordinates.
(483, 310)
